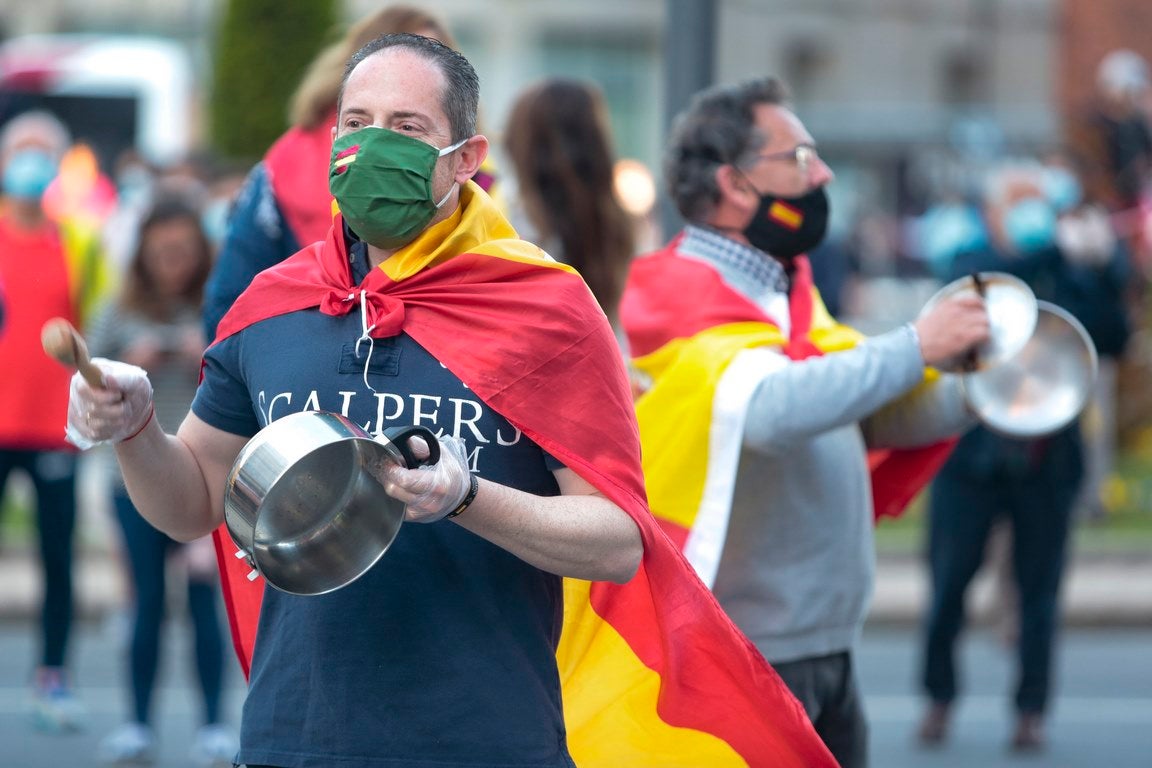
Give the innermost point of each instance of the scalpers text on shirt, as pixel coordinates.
(400, 410)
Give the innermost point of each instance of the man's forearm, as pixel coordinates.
(581, 536)
(799, 400)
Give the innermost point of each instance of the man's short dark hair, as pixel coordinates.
(461, 97)
(717, 128)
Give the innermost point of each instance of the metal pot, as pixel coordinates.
(1011, 307)
(304, 505)
(1044, 386)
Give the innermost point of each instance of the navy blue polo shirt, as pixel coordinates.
(443, 654)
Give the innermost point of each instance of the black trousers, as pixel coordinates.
(53, 475)
(1038, 505)
(826, 687)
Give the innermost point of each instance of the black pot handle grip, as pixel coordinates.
(398, 436)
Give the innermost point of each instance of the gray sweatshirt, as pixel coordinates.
(797, 569)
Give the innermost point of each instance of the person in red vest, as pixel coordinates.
(48, 269)
(760, 409)
(529, 611)
(285, 204)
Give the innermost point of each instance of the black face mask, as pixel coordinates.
(788, 226)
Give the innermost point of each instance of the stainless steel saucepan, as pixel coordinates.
(1043, 387)
(304, 505)
(1011, 307)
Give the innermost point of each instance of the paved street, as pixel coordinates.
(1103, 716)
(98, 665)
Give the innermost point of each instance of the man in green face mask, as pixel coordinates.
(389, 175)
(383, 182)
(423, 307)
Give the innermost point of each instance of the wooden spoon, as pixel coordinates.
(64, 343)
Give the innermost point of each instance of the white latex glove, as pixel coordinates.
(430, 491)
(109, 415)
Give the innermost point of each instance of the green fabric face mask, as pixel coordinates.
(382, 181)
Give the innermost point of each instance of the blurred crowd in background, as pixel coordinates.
(886, 254)
(900, 210)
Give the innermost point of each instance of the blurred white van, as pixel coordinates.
(113, 92)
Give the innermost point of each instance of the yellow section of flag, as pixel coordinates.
(786, 215)
(610, 700)
(677, 412)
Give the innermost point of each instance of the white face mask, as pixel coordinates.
(1086, 238)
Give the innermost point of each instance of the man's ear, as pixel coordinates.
(732, 184)
(471, 156)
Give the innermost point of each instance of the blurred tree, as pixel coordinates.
(262, 48)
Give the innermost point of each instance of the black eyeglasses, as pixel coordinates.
(802, 155)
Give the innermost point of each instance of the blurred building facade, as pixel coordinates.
(904, 96)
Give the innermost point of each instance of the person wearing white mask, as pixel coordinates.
(990, 479)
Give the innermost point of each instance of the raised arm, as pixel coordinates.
(175, 481)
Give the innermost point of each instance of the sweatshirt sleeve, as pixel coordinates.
(931, 412)
(802, 399)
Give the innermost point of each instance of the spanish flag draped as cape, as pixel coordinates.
(653, 672)
(702, 347)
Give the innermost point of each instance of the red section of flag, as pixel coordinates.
(702, 301)
(898, 476)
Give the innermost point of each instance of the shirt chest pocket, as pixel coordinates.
(383, 356)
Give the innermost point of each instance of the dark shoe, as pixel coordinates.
(934, 727)
(1029, 735)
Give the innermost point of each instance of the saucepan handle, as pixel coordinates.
(972, 359)
(398, 436)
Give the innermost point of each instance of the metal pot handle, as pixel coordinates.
(398, 437)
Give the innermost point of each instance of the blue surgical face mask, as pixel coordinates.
(134, 185)
(28, 173)
(1030, 225)
(1062, 189)
(948, 230)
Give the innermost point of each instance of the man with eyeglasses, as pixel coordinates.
(767, 428)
